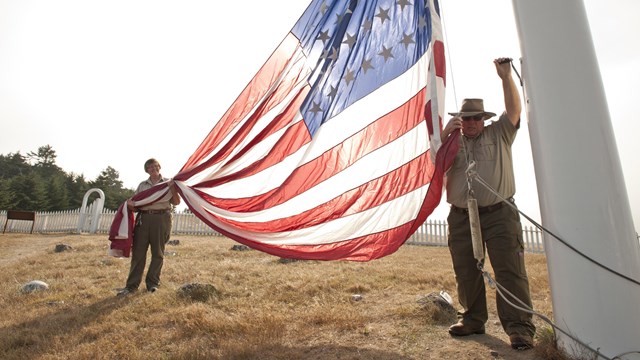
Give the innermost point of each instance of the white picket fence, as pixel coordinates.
(431, 233)
(434, 233)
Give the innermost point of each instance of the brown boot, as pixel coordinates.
(461, 329)
(521, 342)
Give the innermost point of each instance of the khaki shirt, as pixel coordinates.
(158, 205)
(491, 151)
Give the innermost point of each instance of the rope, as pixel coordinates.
(484, 183)
(472, 174)
(446, 35)
(500, 289)
(526, 308)
(517, 73)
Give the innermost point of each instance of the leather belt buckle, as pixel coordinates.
(482, 209)
(459, 209)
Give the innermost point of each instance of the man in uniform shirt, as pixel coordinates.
(489, 147)
(152, 230)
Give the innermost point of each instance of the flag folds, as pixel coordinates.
(328, 152)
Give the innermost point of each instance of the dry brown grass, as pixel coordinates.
(265, 309)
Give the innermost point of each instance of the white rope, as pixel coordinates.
(484, 183)
(499, 289)
(473, 175)
(446, 36)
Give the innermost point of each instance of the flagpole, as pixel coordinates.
(583, 198)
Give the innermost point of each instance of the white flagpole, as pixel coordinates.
(583, 198)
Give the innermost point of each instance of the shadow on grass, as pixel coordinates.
(493, 343)
(317, 352)
(30, 339)
(484, 339)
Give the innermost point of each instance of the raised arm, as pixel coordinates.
(512, 100)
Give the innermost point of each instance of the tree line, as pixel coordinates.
(33, 182)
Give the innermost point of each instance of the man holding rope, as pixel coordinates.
(486, 150)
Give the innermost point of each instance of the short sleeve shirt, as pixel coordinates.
(491, 151)
(159, 205)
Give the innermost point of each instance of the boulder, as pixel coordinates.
(287, 261)
(198, 292)
(33, 286)
(240, 248)
(62, 247)
(442, 300)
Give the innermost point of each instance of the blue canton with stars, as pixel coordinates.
(357, 46)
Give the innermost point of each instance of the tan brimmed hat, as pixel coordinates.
(472, 107)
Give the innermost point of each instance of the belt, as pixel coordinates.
(154, 211)
(482, 209)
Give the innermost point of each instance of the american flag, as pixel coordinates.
(326, 152)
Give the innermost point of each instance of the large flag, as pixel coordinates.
(327, 153)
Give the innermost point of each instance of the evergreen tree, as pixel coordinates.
(45, 157)
(6, 196)
(109, 182)
(45, 162)
(77, 186)
(29, 192)
(35, 183)
(109, 178)
(57, 194)
(13, 164)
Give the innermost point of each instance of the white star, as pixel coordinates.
(324, 7)
(334, 54)
(383, 14)
(324, 36)
(349, 77)
(315, 108)
(386, 53)
(422, 22)
(404, 3)
(325, 54)
(366, 25)
(408, 40)
(366, 65)
(333, 92)
(351, 39)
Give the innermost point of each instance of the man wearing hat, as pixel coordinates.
(488, 150)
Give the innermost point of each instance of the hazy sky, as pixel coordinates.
(113, 83)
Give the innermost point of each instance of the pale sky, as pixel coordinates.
(113, 83)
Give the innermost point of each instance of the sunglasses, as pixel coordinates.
(475, 117)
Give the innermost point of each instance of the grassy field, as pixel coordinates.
(265, 308)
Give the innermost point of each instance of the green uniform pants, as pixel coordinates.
(502, 237)
(152, 230)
